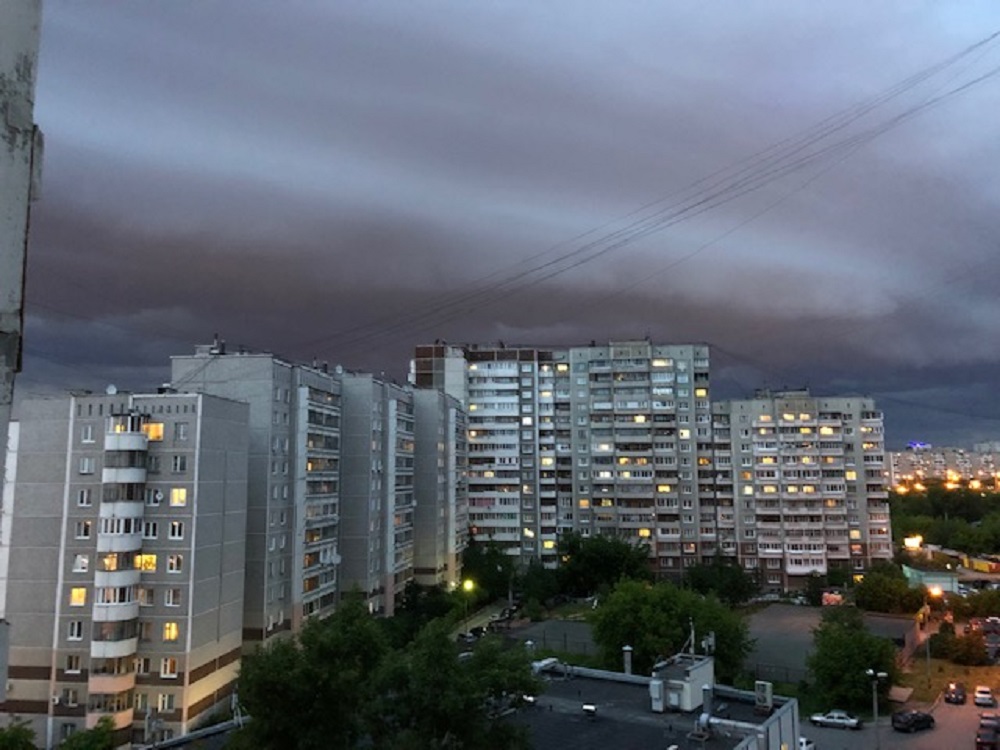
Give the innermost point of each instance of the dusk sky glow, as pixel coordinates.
(809, 187)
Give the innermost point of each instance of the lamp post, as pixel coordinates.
(933, 592)
(875, 677)
(468, 585)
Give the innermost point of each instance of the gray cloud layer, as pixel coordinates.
(319, 178)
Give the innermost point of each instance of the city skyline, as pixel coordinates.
(346, 182)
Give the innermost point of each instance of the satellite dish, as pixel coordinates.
(111, 390)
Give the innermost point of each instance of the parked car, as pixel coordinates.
(984, 696)
(836, 718)
(989, 721)
(806, 744)
(955, 693)
(986, 739)
(911, 721)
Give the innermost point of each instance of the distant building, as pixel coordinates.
(809, 484)
(924, 462)
(601, 439)
(123, 550)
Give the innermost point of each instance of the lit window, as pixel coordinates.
(788, 417)
(640, 418)
(146, 563)
(825, 430)
(153, 430)
(684, 434)
(701, 392)
(549, 544)
(663, 488)
(644, 533)
(171, 631)
(178, 497)
(855, 534)
(77, 596)
(584, 503)
(850, 475)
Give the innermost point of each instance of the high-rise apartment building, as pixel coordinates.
(613, 439)
(440, 464)
(293, 511)
(377, 493)
(809, 487)
(123, 534)
(624, 439)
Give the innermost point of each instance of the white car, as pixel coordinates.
(836, 718)
(806, 744)
(984, 696)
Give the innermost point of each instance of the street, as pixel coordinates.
(955, 728)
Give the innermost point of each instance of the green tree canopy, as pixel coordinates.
(843, 651)
(100, 737)
(489, 568)
(590, 563)
(655, 620)
(884, 589)
(728, 581)
(17, 736)
(341, 686)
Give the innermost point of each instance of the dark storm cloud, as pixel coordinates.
(346, 180)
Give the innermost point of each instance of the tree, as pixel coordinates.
(418, 606)
(308, 693)
(428, 698)
(843, 651)
(17, 736)
(655, 620)
(339, 685)
(884, 589)
(727, 581)
(489, 567)
(970, 650)
(99, 737)
(589, 563)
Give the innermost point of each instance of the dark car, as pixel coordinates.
(955, 693)
(911, 721)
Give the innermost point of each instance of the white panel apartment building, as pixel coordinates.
(293, 507)
(441, 517)
(593, 439)
(123, 561)
(377, 491)
(809, 483)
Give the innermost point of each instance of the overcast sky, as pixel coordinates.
(810, 187)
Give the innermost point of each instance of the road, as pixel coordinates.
(955, 727)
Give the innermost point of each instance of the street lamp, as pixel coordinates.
(468, 585)
(875, 677)
(933, 592)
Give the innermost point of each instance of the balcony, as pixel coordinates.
(114, 649)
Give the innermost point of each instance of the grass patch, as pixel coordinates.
(570, 611)
(941, 673)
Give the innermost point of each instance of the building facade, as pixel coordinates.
(377, 490)
(625, 439)
(611, 439)
(124, 539)
(809, 485)
(293, 511)
(440, 465)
